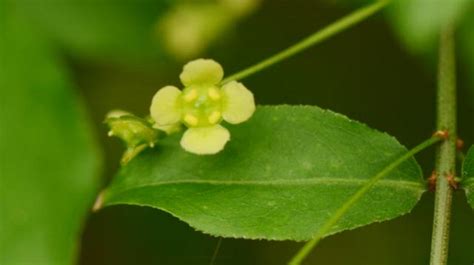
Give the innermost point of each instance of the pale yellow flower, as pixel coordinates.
(202, 105)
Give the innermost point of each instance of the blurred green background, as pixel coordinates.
(118, 58)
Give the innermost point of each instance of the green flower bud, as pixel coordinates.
(136, 133)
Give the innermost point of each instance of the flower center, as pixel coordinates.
(202, 106)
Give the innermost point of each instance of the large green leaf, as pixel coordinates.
(468, 176)
(49, 162)
(117, 30)
(283, 174)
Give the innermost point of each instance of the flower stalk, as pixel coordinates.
(315, 38)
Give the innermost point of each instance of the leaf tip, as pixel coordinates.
(99, 202)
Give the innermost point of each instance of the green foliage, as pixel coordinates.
(282, 175)
(49, 161)
(116, 30)
(468, 176)
(418, 22)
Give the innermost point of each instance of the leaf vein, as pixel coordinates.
(286, 182)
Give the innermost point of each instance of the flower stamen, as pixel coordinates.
(191, 119)
(214, 117)
(190, 96)
(214, 94)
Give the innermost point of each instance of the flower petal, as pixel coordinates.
(169, 129)
(201, 72)
(205, 140)
(164, 106)
(238, 104)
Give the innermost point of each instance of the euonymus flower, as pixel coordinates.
(190, 27)
(202, 105)
(168, 129)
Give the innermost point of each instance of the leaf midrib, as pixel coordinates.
(403, 184)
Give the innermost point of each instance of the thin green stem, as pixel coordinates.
(446, 153)
(216, 251)
(303, 252)
(321, 35)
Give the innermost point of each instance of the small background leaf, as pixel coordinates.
(468, 176)
(418, 22)
(282, 175)
(49, 161)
